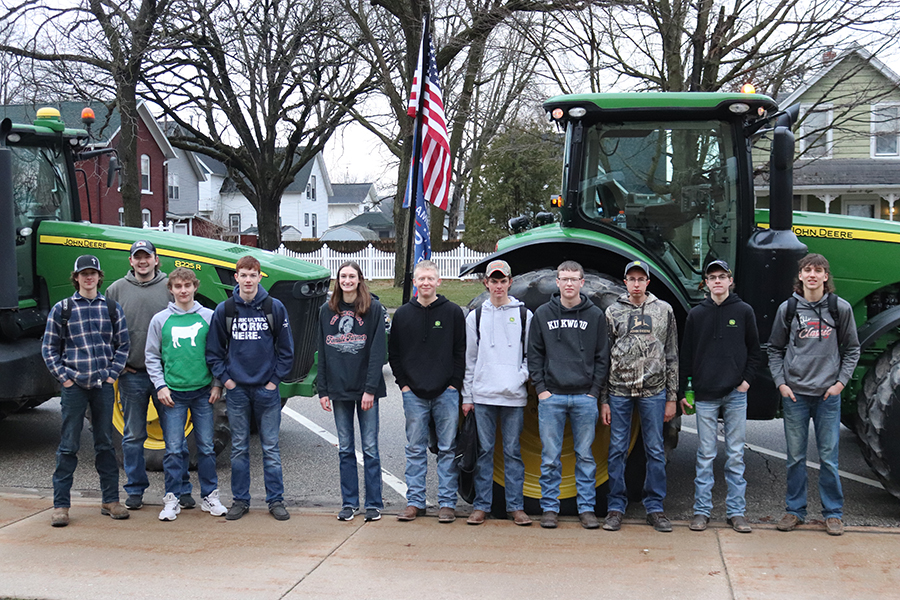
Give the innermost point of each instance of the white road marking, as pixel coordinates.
(782, 456)
(389, 479)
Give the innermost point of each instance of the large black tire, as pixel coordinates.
(878, 422)
(534, 288)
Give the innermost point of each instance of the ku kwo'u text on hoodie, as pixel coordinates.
(427, 347)
(351, 353)
(496, 370)
(807, 355)
(568, 348)
(720, 348)
(176, 348)
(643, 349)
(250, 354)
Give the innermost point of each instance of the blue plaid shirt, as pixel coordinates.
(94, 351)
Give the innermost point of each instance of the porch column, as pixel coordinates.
(891, 198)
(827, 199)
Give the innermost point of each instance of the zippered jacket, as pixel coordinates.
(351, 353)
(176, 348)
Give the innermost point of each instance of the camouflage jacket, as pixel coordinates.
(643, 344)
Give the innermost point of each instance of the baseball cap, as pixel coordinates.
(142, 245)
(720, 264)
(638, 264)
(498, 265)
(86, 261)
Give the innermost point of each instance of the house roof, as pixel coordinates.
(374, 220)
(864, 54)
(351, 193)
(217, 167)
(843, 174)
(348, 233)
(284, 229)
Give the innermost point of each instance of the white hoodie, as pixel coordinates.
(496, 369)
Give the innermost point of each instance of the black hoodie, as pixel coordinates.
(568, 348)
(427, 347)
(720, 348)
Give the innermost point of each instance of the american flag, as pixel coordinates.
(435, 150)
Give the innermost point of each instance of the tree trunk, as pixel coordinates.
(267, 211)
(130, 175)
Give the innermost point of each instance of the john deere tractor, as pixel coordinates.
(41, 234)
(668, 178)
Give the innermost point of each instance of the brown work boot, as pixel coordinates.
(788, 522)
(699, 523)
(476, 518)
(520, 518)
(740, 524)
(613, 521)
(60, 516)
(549, 519)
(834, 526)
(410, 513)
(589, 520)
(114, 510)
(446, 515)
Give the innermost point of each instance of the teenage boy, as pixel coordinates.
(496, 372)
(85, 345)
(250, 349)
(568, 358)
(176, 363)
(719, 353)
(427, 352)
(142, 293)
(644, 373)
(813, 351)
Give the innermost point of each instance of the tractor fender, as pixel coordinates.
(877, 326)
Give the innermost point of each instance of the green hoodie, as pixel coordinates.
(176, 348)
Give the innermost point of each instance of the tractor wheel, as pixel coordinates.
(878, 422)
(534, 289)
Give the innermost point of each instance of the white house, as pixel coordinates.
(350, 200)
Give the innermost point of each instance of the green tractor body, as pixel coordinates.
(668, 178)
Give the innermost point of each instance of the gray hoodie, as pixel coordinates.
(140, 300)
(809, 358)
(496, 369)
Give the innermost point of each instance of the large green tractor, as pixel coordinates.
(41, 234)
(668, 178)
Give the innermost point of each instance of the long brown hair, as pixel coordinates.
(363, 297)
(814, 260)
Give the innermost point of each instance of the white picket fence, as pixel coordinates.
(376, 264)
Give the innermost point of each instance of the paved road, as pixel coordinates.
(28, 443)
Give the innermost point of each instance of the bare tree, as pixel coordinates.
(112, 37)
(261, 87)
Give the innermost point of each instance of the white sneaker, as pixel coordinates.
(212, 505)
(171, 509)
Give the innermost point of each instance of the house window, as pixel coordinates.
(311, 188)
(306, 219)
(886, 130)
(145, 174)
(314, 227)
(861, 208)
(234, 223)
(815, 131)
(173, 187)
(181, 228)
(145, 218)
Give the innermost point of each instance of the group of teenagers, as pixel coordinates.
(585, 365)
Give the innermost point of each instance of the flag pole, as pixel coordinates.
(416, 160)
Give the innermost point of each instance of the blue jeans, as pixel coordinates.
(136, 391)
(652, 412)
(734, 407)
(174, 464)
(511, 419)
(583, 412)
(74, 403)
(265, 406)
(368, 433)
(445, 411)
(826, 416)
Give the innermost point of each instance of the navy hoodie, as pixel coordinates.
(720, 348)
(249, 355)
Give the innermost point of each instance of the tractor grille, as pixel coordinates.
(302, 300)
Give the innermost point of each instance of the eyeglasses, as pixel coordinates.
(718, 277)
(636, 279)
(568, 280)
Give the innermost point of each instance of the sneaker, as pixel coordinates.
(277, 510)
(476, 518)
(659, 522)
(834, 526)
(788, 522)
(212, 505)
(589, 520)
(238, 509)
(520, 518)
(373, 514)
(740, 524)
(170, 509)
(187, 501)
(114, 510)
(446, 515)
(346, 514)
(410, 513)
(60, 516)
(699, 523)
(613, 521)
(549, 519)
(134, 501)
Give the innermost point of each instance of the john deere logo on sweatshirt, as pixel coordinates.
(437, 325)
(732, 323)
(641, 324)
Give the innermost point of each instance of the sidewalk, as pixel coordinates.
(315, 556)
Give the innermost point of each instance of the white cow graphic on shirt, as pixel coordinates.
(184, 333)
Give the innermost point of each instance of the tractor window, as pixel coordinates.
(672, 185)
